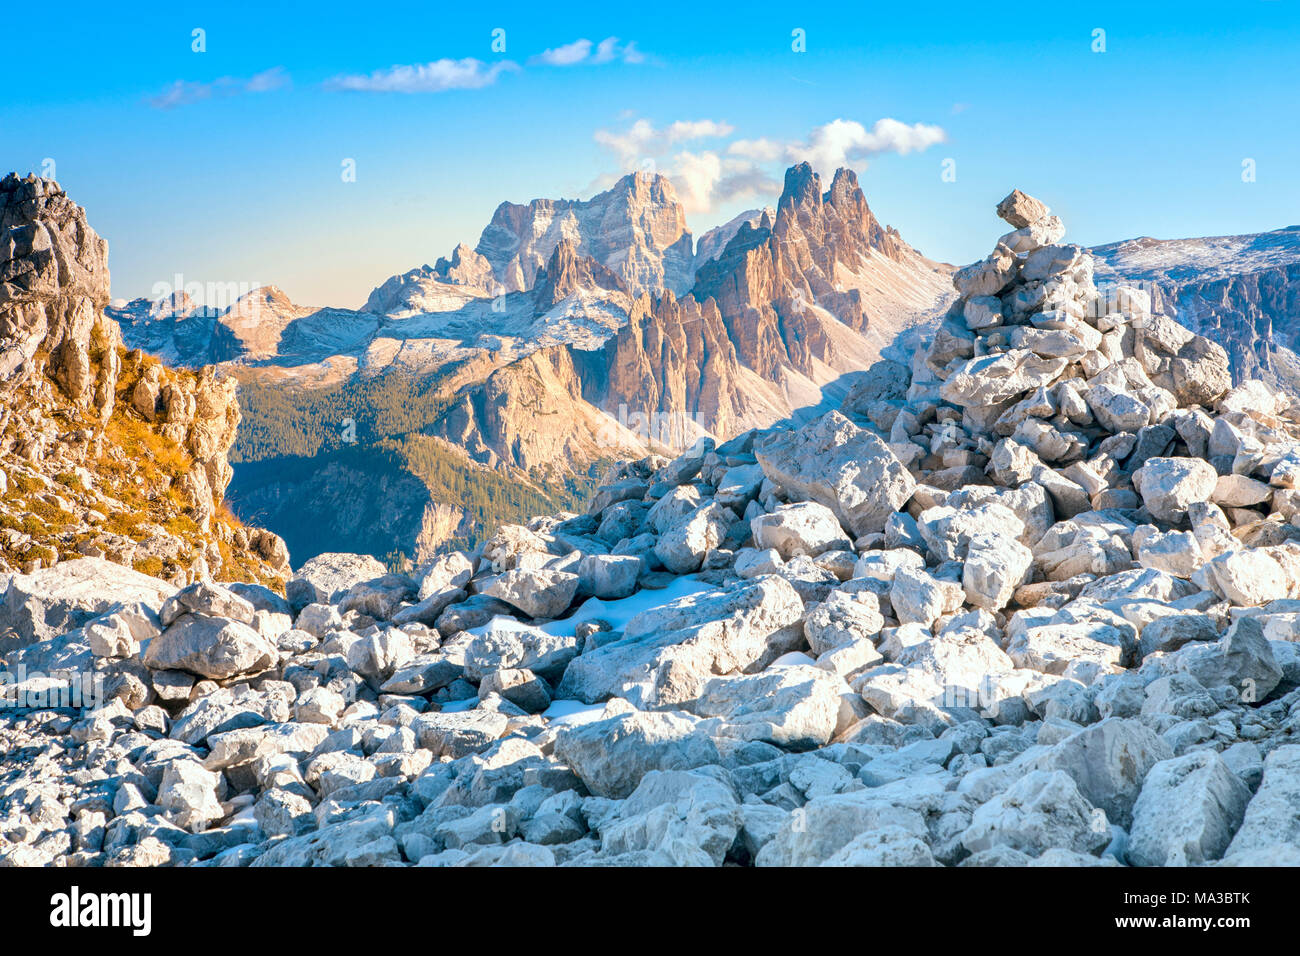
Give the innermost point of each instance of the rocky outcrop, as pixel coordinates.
(104, 451)
(53, 289)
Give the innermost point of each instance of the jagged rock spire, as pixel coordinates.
(53, 287)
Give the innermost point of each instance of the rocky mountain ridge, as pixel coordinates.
(776, 325)
(104, 451)
(1027, 599)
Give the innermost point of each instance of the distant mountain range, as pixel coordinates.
(574, 333)
(580, 332)
(1241, 291)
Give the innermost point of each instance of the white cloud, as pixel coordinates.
(706, 180)
(606, 51)
(831, 146)
(580, 51)
(566, 55)
(703, 177)
(642, 140)
(272, 79)
(843, 142)
(891, 136)
(629, 53)
(762, 150)
(184, 92)
(435, 77)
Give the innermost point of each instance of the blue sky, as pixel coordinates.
(235, 175)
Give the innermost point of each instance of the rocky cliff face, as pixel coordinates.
(105, 451)
(710, 245)
(675, 366)
(55, 287)
(637, 229)
(531, 414)
(465, 267)
(786, 285)
(1255, 316)
(567, 273)
(782, 318)
(1241, 291)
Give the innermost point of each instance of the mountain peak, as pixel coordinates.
(266, 296)
(178, 303)
(802, 187)
(636, 228)
(844, 188)
(465, 267)
(645, 186)
(567, 272)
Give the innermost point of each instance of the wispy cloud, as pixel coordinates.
(843, 142)
(609, 50)
(583, 51)
(567, 55)
(184, 92)
(704, 178)
(272, 79)
(644, 140)
(436, 77)
(760, 150)
(708, 175)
